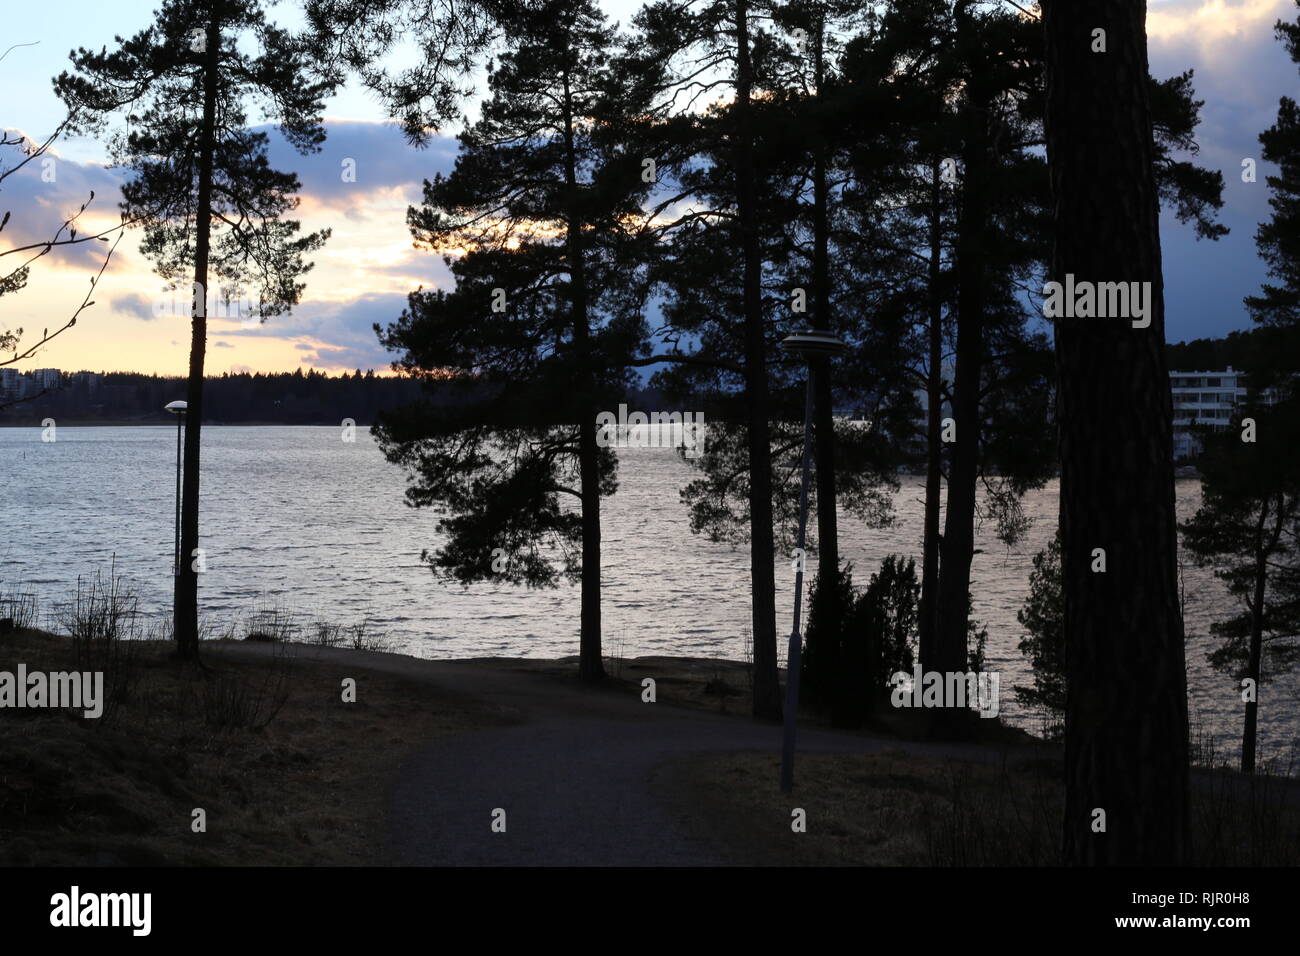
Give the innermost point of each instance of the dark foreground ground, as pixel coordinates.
(504, 762)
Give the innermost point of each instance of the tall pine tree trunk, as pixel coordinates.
(1126, 707)
(828, 548)
(590, 665)
(928, 623)
(186, 593)
(762, 551)
(958, 545)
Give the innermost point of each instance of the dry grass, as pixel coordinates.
(307, 788)
(881, 809)
(897, 809)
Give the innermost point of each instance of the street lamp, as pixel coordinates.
(811, 345)
(177, 409)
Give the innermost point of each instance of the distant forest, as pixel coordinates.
(1242, 350)
(275, 398)
(316, 398)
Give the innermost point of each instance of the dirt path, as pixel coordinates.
(572, 770)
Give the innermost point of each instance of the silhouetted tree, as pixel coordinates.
(539, 221)
(1246, 528)
(200, 182)
(451, 37)
(1043, 617)
(1277, 307)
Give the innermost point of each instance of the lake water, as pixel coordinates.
(296, 516)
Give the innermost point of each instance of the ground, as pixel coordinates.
(431, 754)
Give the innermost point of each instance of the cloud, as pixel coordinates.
(335, 334)
(222, 345)
(346, 359)
(49, 190)
(361, 165)
(134, 304)
(1210, 22)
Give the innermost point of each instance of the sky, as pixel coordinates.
(369, 265)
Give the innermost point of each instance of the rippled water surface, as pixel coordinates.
(296, 516)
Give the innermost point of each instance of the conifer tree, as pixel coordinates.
(540, 223)
(211, 205)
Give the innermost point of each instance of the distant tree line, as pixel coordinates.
(1243, 350)
(286, 398)
(263, 398)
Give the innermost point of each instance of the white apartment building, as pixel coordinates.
(1203, 398)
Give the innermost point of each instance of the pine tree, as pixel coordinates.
(539, 223)
(747, 246)
(1277, 307)
(1246, 529)
(1044, 643)
(210, 203)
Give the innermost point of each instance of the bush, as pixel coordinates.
(1043, 617)
(830, 599)
(877, 637)
(102, 621)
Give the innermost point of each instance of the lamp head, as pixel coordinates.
(813, 343)
(176, 408)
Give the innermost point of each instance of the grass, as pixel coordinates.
(286, 773)
(899, 809)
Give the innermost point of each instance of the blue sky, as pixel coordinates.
(367, 269)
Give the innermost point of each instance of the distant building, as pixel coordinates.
(47, 378)
(10, 384)
(90, 381)
(1203, 398)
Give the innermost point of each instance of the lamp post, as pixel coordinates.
(177, 409)
(811, 345)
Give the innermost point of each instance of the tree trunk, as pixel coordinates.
(1263, 550)
(1126, 707)
(590, 665)
(762, 552)
(186, 585)
(1252, 666)
(928, 624)
(958, 545)
(828, 549)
